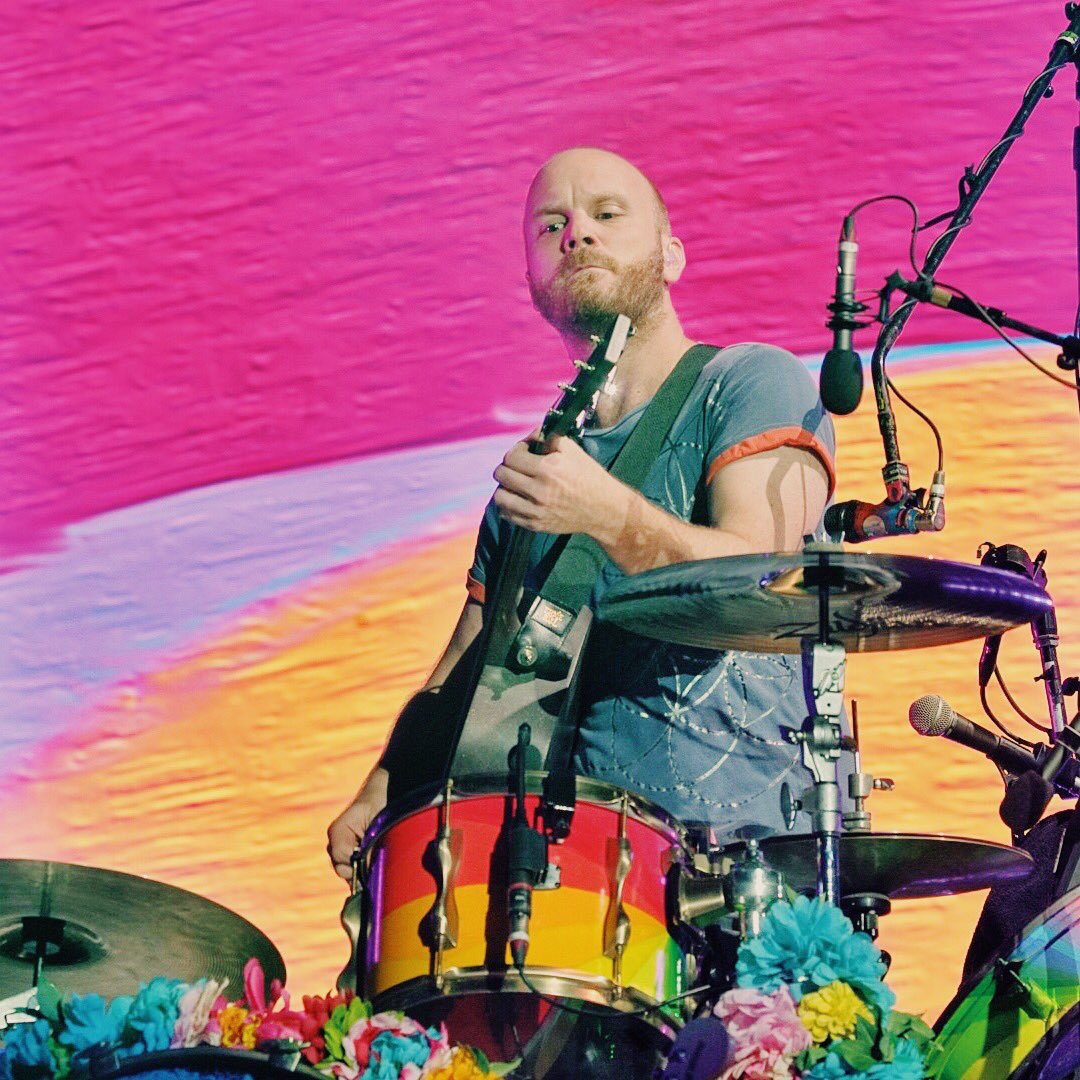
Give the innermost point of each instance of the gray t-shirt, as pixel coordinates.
(695, 731)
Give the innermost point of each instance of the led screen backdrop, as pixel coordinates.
(265, 334)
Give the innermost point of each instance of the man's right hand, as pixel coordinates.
(348, 828)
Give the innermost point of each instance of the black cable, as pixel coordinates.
(1017, 708)
(926, 419)
(985, 702)
(600, 1013)
(989, 321)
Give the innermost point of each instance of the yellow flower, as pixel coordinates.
(831, 1012)
(463, 1066)
(234, 1032)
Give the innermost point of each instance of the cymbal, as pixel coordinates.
(770, 603)
(120, 930)
(901, 866)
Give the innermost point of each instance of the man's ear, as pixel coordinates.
(674, 259)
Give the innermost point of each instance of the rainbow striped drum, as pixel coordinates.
(1020, 1016)
(601, 934)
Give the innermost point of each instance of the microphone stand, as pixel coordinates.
(974, 183)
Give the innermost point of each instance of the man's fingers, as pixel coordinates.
(514, 508)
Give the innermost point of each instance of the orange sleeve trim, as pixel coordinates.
(773, 440)
(475, 588)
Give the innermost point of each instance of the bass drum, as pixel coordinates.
(1020, 1015)
(207, 1063)
(601, 958)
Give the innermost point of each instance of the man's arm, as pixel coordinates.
(347, 829)
(765, 502)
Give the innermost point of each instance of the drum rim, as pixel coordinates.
(1004, 953)
(589, 790)
(236, 1061)
(552, 982)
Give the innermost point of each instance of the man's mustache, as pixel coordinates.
(577, 259)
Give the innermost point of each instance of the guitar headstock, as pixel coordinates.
(578, 396)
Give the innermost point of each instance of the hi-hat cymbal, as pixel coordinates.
(901, 866)
(770, 603)
(115, 931)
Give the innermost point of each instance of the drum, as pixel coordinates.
(599, 929)
(207, 1063)
(1020, 1015)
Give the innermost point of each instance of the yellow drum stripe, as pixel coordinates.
(566, 931)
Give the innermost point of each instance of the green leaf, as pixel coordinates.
(481, 1058)
(48, 1000)
(856, 1052)
(809, 1058)
(62, 1056)
(502, 1068)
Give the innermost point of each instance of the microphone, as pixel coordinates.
(841, 370)
(527, 855)
(932, 715)
(701, 1051)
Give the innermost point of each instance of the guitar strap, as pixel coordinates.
(570, 582)
(527, 662)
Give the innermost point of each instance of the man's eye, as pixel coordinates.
(553, 226)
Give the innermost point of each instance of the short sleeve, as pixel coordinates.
(484, 566)
(762, 398)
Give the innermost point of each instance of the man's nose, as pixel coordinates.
(578, 231)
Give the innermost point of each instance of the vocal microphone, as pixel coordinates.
(933, 715)
(841, 370)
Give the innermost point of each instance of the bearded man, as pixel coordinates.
(746, 468)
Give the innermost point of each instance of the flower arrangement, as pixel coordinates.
(338, 1034)
(809, 1002)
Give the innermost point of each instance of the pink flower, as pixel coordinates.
(196, 1005)
(766, 1033)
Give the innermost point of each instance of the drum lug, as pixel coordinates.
(617, 922)
(552, 878)
(354, 922)
(443, 918)
(1034, 1000)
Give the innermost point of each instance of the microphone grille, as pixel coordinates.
(931, 715)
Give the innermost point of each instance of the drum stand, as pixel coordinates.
(824, 667)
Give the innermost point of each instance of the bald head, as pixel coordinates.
(592, 162)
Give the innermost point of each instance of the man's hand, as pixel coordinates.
(561, 491)
(348, 828)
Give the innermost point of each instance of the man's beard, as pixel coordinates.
(585, 304)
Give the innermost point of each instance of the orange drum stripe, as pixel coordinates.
(566, 931)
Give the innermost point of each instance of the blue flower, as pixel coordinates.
(391, 1052)
(907, 1064)
(27, 1046)
(832, 1067)
(88, 1022)
(152, 1017)
(806, 945)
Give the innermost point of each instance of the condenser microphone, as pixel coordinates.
(841, 370)
(933, 715)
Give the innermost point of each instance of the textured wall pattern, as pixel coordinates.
(264, 334)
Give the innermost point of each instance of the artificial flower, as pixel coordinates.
(806, 945)
(765, 1032)
(153, 1015)
(832, 1067)
(392, 1052)
(88, 1021)
(831, 1012)
(27, 1046)
(908, 1063)
(315, 1017)
(194, 1010)
(236, 1030)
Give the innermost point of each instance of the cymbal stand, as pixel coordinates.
(824, 667)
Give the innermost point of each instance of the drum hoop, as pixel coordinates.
(1007, 952)
(221, 1058)
(594, 792)
(594, 990)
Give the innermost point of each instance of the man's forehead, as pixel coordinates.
(589, 172)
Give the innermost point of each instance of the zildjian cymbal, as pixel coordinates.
(772, 603)
(106, 932)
